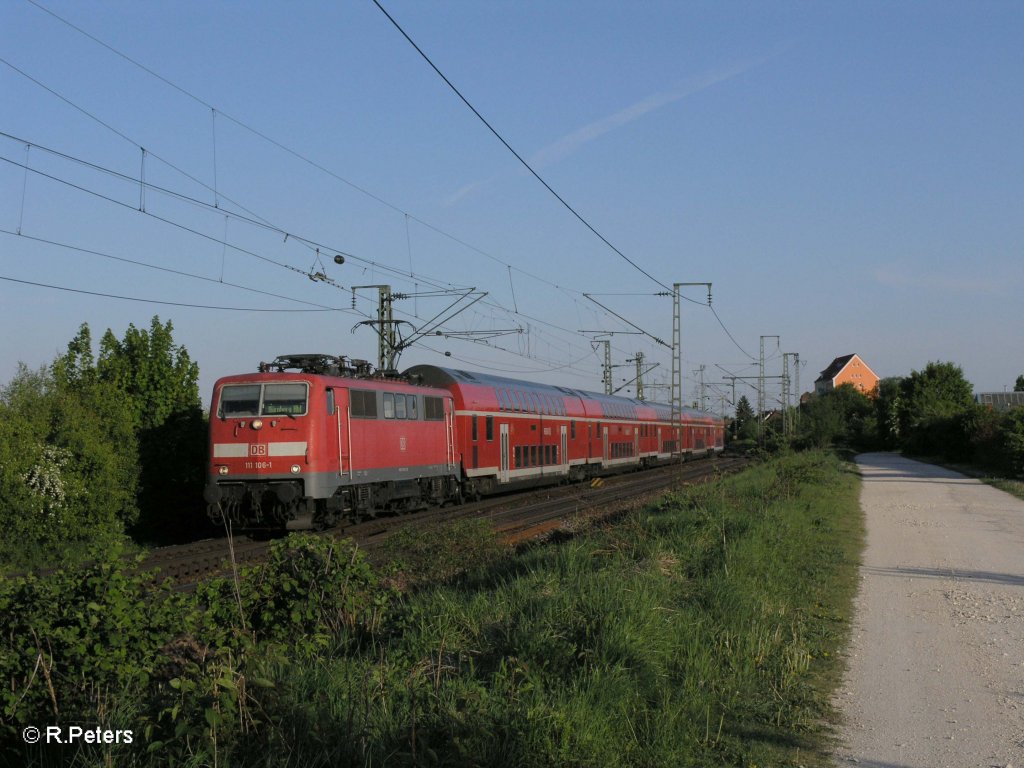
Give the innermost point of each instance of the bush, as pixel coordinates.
(75, 641)
(313, 593)
(1012, 432)
(190, 667)
(67, 468)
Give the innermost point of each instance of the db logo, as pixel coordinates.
(257, 450)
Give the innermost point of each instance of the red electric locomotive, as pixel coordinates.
(315, 437)
(311, 436)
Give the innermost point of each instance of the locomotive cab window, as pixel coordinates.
(284, 399)
(237, 400)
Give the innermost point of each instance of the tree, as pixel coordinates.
(931, 408)
(746, 424)
(159, 377)
(158, 383)
(887, 412)
(1012, 429)
(744, 411)
(1019, 385)
(840, 415)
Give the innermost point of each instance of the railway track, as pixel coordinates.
(518, 518)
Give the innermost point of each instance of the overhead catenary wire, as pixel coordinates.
(283, 147)
(191, 231)
(152, 215)
(518, 157)
(115, 131)
(259, 222)
(218, 196)
(169, 270)
(155, 301)
(256, 132)
(202, 204)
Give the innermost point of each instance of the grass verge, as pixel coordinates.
(706, 630)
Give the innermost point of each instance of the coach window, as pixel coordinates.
(472, 421)
(518, 452)
(533, 455)
(572, 429)
(389, 405)
(489, 427)
(399, 406)
(330, 401)
(410, 407)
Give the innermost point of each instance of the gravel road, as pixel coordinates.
(936, 666)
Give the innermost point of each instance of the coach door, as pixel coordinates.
(604, 443)
(565, 446)
(503, 468)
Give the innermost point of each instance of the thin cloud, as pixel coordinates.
(570, 143)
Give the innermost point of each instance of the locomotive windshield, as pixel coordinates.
(238, 400)
(284, 399)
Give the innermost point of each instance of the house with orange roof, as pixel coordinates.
(848, 369)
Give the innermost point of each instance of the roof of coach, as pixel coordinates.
(612, 405)
(437, 376)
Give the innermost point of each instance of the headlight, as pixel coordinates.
(257, 423)
(222, 470)
(296, 469)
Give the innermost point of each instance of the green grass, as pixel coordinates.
(704, 631)
(707, 631)
(1013, 487)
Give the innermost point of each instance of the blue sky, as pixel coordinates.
(849, 176)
